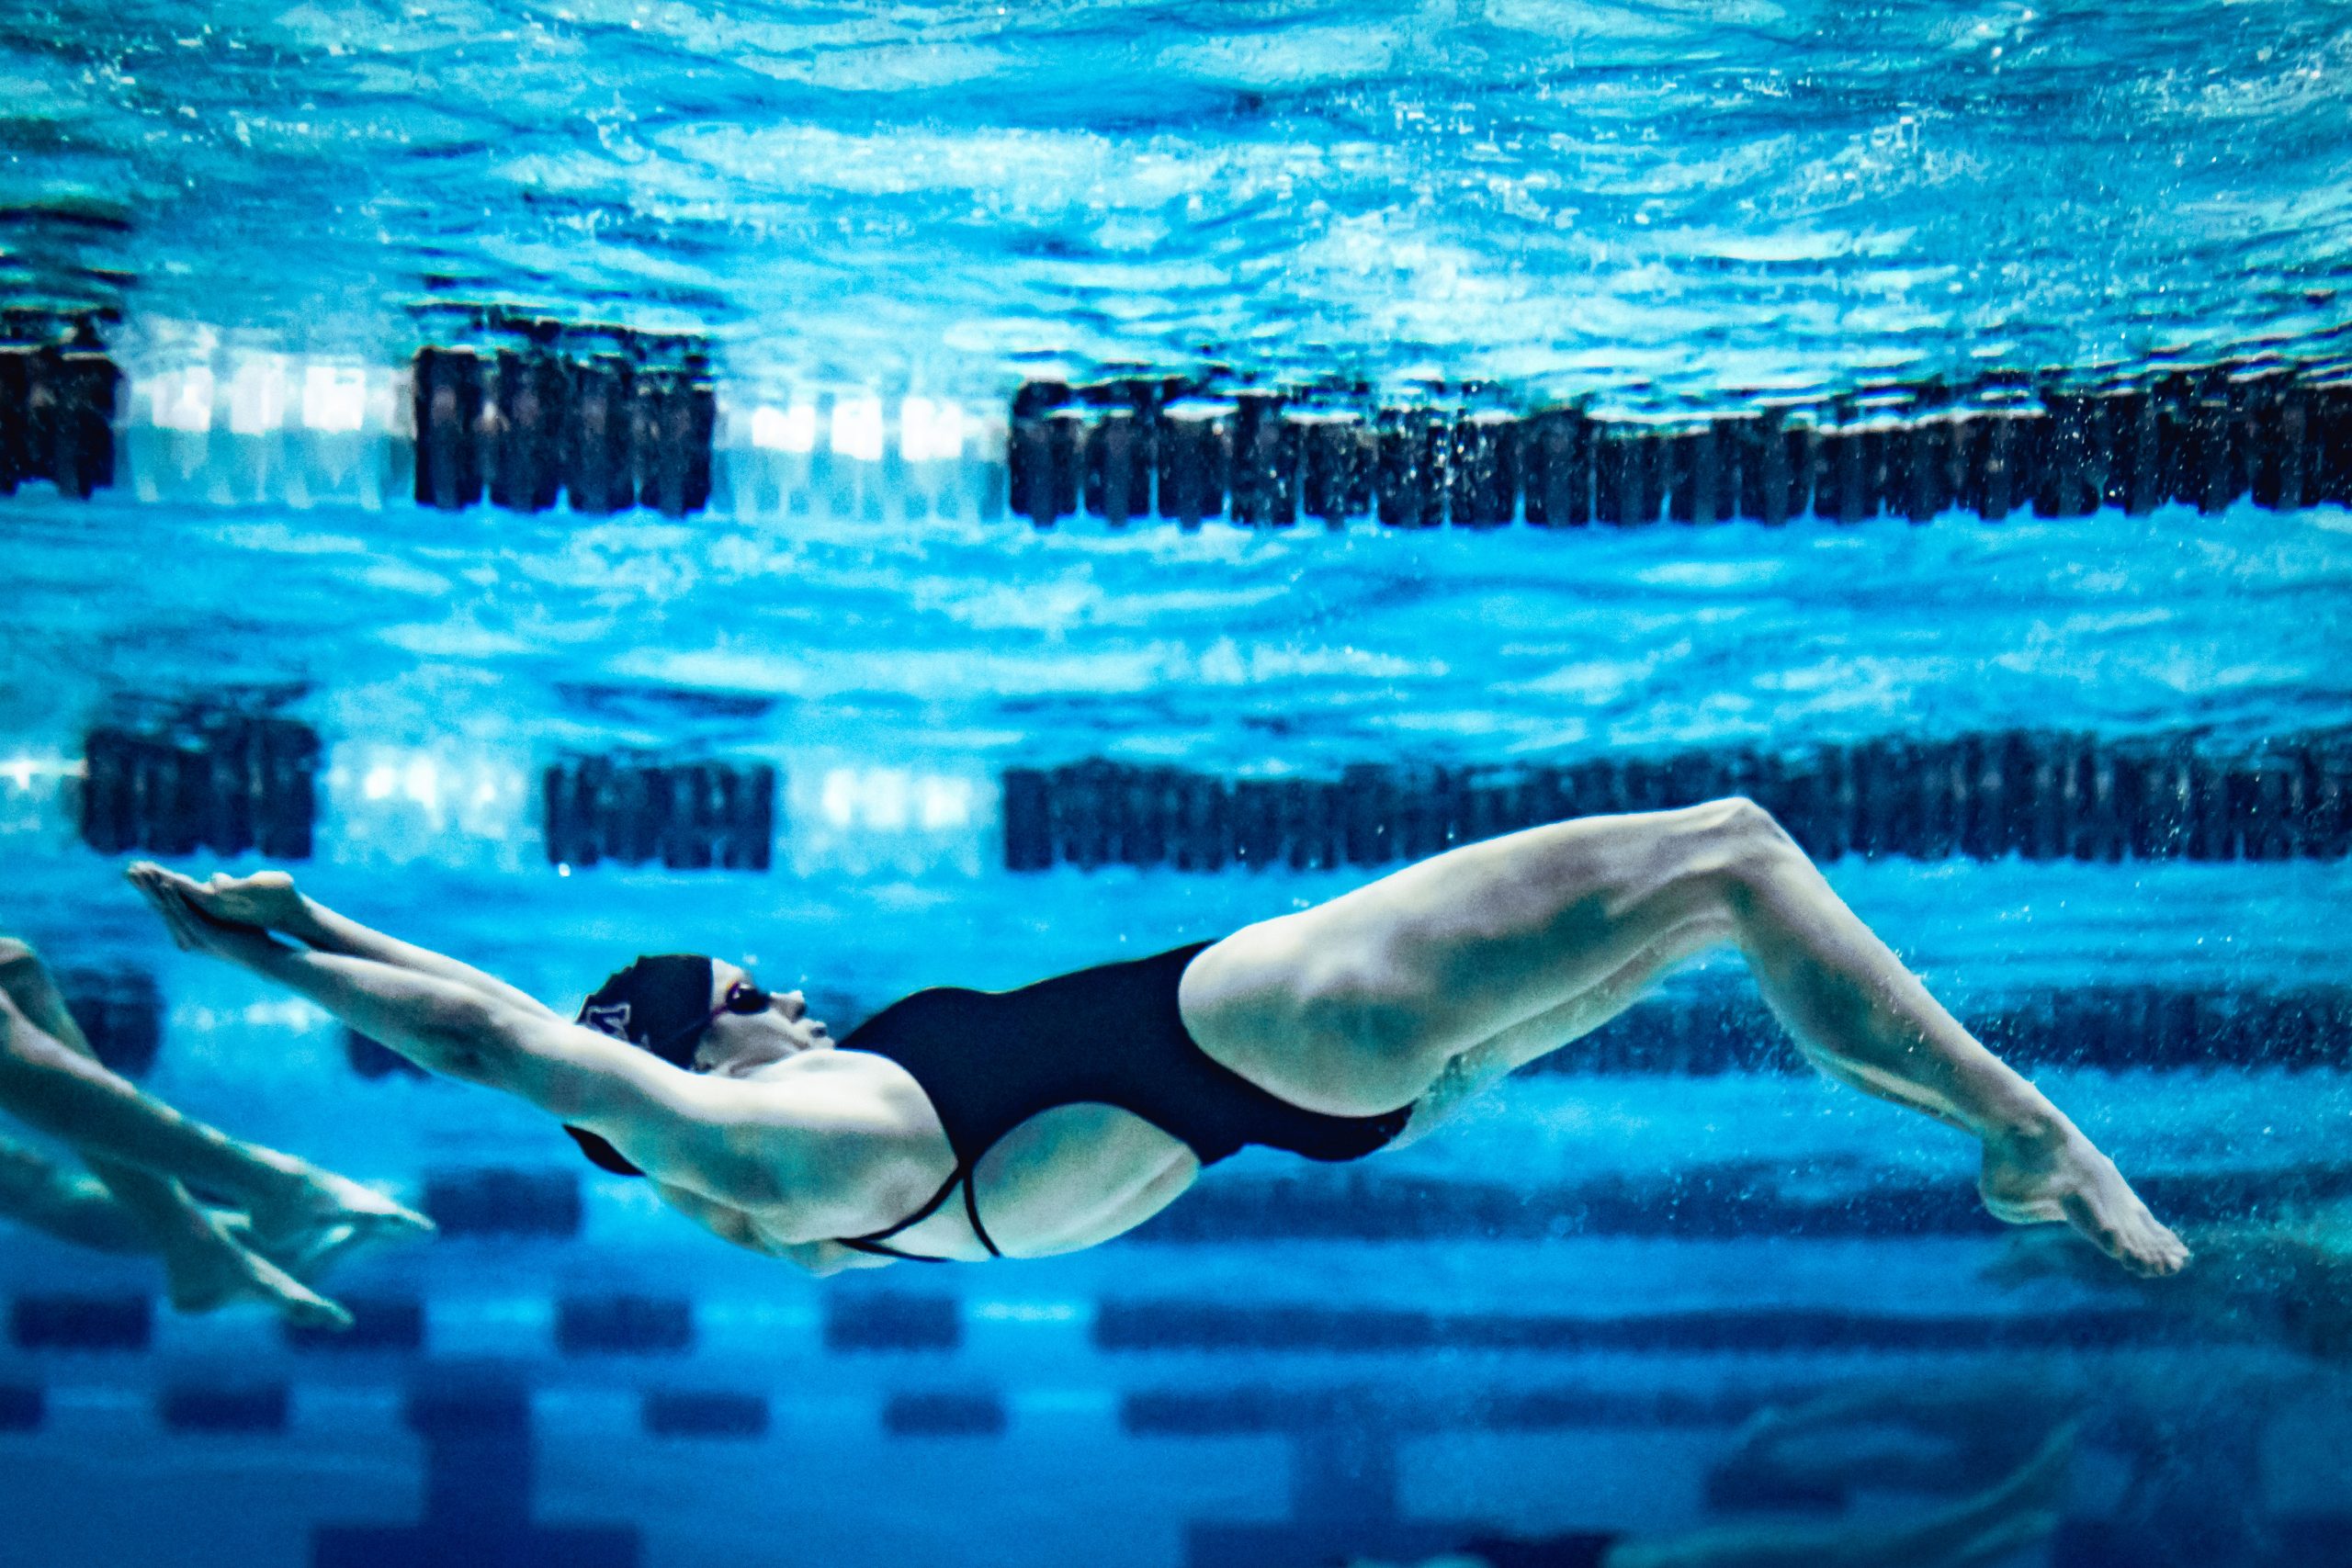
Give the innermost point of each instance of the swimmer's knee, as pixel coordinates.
(1739, 822)
(1737, 843)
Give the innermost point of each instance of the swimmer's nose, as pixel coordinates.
(794, 1005)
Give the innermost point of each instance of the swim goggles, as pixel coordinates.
(742, 999)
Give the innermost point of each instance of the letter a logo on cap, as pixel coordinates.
(610, 1018)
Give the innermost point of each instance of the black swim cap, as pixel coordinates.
(660, 1004)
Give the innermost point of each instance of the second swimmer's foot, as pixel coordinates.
(219, 1270)
(327, 1217)
(2051, 1173)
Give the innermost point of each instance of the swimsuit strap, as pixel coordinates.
(972, 1212)
(873, 1240)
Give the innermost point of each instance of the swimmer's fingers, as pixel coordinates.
(146, 878)
(192, 930)
(187, 926)
(222, 898)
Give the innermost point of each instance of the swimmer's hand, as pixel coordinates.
(193, 930)
(267, 900)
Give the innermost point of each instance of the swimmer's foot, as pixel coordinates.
(2051, 1173)
(311, 1255)
(213, 1269)
(326, 1216)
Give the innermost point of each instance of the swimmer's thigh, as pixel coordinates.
(1355, 1006)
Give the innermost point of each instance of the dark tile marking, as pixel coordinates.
(205, 1408)
(82, 1323)
(1163, 1325)
(2313, 1540)
(883, 1320)
(121, 1014)
(479, 1462)
(380, 1325)
(1741, 1200)
(943, 1416)
(1255, 1409)
(689, 1414)
(624, 1326)
(2118, 1028)
(372, 1059)
(497, 1202)
(23, 1406)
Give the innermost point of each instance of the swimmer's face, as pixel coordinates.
(738, 1044)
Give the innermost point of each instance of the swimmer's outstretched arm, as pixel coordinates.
(270, 900)
(681, 1128)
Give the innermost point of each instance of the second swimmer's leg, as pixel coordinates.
(36, 1190)
(207, 1266)
(71, 1095)
(158, 1201)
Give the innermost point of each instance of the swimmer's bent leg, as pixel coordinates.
(1499, 951)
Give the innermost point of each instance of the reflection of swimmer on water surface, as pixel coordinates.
(2011, 1514)
(962, 1124)
(2176, 1454)
(266, 1224)
(1939, 1437)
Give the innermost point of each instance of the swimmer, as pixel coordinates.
(959, 1124)
(290, 1220)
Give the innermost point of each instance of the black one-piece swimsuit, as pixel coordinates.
(1109, 1035)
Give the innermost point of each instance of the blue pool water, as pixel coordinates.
(1564, 1312)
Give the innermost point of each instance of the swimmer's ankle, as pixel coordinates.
(2027, 1124)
